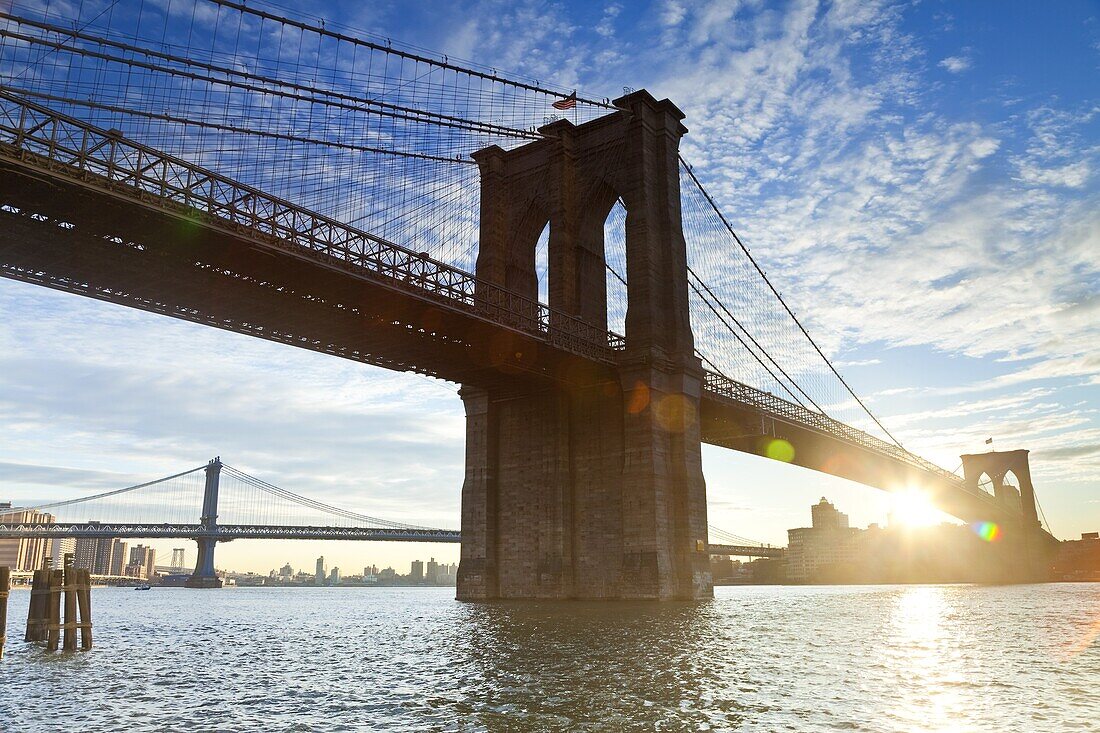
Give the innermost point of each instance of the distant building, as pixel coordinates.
(144, 558)
(387, 574)
(286, 572)
(829, 550)
(85, 551)
(432, 572)
(416, 574)
(118, 558)
(1079, 559)
(334, 576)
(823, 515)
(24, 554)
(320, 573)
(59, 548)
(98, 555)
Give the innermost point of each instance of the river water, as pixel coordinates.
(855, 658)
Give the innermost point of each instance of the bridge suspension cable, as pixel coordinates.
(720, 536)
(779, 298)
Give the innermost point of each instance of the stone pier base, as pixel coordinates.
(594, 492)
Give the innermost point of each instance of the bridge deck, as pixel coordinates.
(229, 532)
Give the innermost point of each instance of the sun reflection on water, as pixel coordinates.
(925, 661)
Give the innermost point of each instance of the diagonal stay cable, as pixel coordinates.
(771, 287)
(747, 347)
(754, 341)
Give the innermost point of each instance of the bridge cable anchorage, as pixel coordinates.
(779, 297)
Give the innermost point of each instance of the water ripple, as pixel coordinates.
(882, 658)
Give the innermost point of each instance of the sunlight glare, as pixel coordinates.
(913, 508)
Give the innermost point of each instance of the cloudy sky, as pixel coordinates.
(919, 178)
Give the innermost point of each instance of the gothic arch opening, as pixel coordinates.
(542, 265)
(614, 250)
(985, 483)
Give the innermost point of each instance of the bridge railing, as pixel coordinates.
(41, 137)
(151, 530)
(768, 403)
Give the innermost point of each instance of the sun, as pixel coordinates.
(913, 508)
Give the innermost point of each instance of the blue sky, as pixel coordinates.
(919, 179)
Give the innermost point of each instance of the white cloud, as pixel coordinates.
(956, 64)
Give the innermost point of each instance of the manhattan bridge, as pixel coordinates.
(550, 251)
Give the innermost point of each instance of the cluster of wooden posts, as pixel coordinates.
(5, 574)
(44, 615)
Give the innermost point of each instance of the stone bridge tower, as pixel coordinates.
(997, 465)
(593, 488)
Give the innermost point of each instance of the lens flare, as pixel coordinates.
(779, 450)
(988, 531)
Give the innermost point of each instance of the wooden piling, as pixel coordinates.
(70, 588)
(5, 578)
(53, 609)
(36, 613)
(84, 601)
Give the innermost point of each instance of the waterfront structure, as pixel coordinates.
(1079, 559)
(829, 544)
(28, 553)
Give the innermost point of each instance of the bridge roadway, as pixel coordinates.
(228, 532)
(86, 211)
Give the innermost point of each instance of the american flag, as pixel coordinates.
(568, 103)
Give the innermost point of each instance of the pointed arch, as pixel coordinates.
(614, 251)
(523, 264)
(542, 264)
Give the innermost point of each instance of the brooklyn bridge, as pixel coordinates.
(553, 254)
